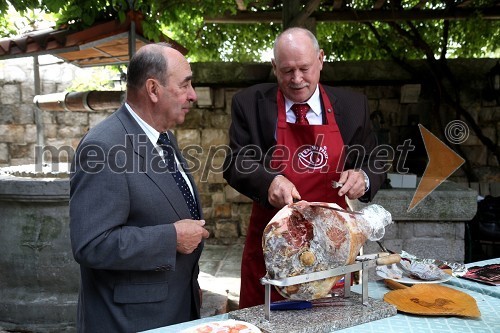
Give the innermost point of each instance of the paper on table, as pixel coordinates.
(489, 274)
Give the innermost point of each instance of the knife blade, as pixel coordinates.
(337, 209)
(302, 305)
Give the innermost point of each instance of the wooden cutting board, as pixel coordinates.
(432, 300)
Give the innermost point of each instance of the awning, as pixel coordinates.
(104, 43)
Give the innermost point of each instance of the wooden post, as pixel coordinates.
(291, 8)
(294, 15)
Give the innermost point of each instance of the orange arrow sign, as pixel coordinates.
(443, 161)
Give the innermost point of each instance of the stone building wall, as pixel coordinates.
(206, 126)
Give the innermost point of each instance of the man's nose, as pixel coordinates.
(192, 94)
(297, 76)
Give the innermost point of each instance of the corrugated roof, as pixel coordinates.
(101, 44)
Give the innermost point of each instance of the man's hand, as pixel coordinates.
(282, 192)
(189, 234)
(354, 184)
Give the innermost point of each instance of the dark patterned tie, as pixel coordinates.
(300, 111)
(169, 156)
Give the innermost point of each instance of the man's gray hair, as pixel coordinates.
(148, 62)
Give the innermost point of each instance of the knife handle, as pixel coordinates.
(394, 285)
(390, 259)
(290, 305)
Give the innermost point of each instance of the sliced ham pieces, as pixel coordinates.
(307, 237)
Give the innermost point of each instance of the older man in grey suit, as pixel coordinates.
(135, 213)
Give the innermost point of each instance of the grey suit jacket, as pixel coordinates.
(254, 114)
(122, 208)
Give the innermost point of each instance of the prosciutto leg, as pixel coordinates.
(307, 237)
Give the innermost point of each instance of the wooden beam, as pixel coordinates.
(348, 15)
(492, 13)
(465, 3)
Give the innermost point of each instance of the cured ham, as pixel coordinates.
(307, 237)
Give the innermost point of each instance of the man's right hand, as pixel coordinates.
(282, 192)
(189, 234)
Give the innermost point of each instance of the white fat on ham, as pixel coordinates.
(307, 237)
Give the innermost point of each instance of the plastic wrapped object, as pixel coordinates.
(307, 237)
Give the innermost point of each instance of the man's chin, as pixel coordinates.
(298, 95)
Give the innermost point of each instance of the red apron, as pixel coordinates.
(317, 158)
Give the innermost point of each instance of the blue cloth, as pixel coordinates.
(488, 322)
(481, 288)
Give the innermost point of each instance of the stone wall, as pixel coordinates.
(434, 228)
(206, 126)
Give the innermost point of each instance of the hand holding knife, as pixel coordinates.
(353, 183)
(336, 184)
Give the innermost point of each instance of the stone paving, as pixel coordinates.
(220, 270)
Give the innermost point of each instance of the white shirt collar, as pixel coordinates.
(314, 102)
(152, 134)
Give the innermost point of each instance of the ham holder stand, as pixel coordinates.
(362, 263)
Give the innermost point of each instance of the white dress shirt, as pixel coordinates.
(153, 136)
(314, 116)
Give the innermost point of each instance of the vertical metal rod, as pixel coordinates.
(364, 283)
(267, 306)
(347, 285)
(40, 140)
(131, 40)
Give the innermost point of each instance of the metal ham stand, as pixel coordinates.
(362, 264)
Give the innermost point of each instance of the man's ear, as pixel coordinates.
(321, 57)
(274, 66)
(152, 90)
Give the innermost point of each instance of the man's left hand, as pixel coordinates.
(354, 184)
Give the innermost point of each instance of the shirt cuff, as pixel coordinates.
(367, 181)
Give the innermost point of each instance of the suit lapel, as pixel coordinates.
(150, 162)
(268, 115)
(339, 111)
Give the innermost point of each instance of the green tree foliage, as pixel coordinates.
(183, 21)
(15, 21)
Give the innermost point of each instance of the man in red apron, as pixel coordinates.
(290, 141)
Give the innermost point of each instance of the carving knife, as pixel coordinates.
(337, 209)
(302, 305)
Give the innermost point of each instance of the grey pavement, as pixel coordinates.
(220, 270)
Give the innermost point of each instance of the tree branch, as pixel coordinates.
(440, 72)
(300, 19)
